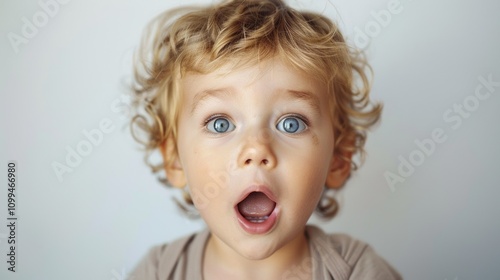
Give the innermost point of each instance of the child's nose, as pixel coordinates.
(257, 152)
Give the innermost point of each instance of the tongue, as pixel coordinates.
(256, 205)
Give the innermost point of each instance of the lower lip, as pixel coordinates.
(258, 228)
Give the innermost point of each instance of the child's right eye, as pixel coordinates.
(220, 125)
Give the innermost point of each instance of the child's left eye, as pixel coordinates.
(291, 125)
(220, 125)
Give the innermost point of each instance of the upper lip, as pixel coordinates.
(257, 188)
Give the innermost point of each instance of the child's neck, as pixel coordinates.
(221, 262)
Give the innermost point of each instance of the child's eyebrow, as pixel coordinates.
(306, 96)
(202, 95)
(311, 99)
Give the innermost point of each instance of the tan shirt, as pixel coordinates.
(333, 256)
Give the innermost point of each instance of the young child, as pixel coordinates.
(257, 112)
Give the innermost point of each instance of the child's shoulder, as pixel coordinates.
(346, 257)
(170, 261)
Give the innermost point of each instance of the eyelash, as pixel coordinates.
(211, 118)
(302, 118)
(218, 115)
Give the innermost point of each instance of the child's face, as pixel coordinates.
(264, 128)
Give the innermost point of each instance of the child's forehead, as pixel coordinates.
(272, 72)
(274, 80)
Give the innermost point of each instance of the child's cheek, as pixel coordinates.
(207, 176)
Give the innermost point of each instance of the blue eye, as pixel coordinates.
(220, 125)
(291, 125)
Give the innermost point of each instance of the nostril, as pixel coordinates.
(265, 161)
(248, 161)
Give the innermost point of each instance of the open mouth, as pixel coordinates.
(257, 213)
(256, 207)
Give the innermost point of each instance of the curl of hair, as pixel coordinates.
(239, 32)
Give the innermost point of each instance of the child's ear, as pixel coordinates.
(174, 171)
(339, 170)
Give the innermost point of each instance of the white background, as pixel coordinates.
(440, 223)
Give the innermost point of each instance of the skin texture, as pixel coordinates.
(219, 167)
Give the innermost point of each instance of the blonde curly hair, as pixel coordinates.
(202, 39)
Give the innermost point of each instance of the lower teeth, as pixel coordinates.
(257, 219)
